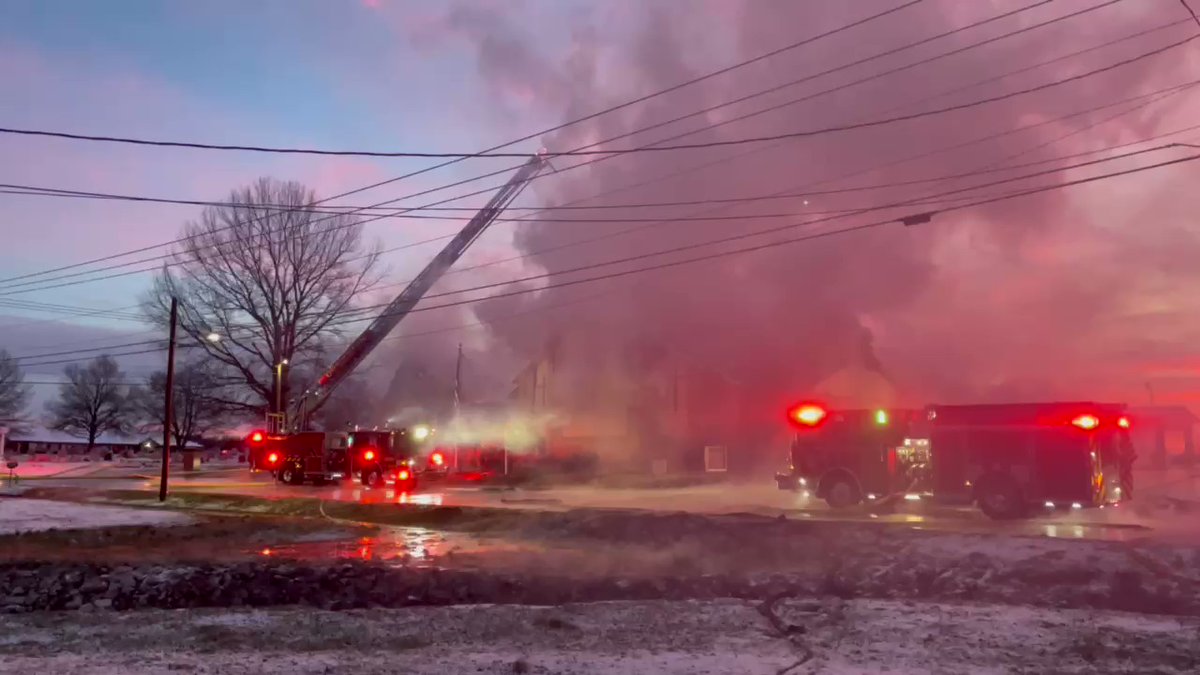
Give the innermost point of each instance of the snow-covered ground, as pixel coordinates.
(35, 515)
(830, 636)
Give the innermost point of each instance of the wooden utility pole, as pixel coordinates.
(168, 404)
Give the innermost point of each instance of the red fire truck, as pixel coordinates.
(1011, 460)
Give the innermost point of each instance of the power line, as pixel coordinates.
(742, 117)
(1168, 90)
(749, 216)
(1148, 98)
(447, 236)
(926, 215)
(773, 230)
(758, 247)
(613, 151)
(876, 56)
(340, 209)
(960, 106)
(442, 155)
(1190, 11)
(552, 129)
(785, 195)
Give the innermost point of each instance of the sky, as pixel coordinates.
(344, 74)
(1059, 295)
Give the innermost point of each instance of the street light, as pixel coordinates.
(213, 337)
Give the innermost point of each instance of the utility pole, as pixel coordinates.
(168, 403)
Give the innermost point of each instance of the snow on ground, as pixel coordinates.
(30, 515)
(833, 636)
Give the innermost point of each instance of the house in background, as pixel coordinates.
(39, 441)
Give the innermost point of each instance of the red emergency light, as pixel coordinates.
(402, 474)
(437, 458)
(257, 437)
(369, 455)
(272, 458)
(807, 414)
(1123, 422)
(1086, 422)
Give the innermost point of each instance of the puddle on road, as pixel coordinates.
(414, 546)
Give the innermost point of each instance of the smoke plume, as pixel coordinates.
(1082, 292)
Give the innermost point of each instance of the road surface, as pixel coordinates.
(1116, 524)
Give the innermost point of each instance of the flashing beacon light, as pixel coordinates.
(402, 474)
(272, 458)
(437, 458)
(881, 417)
(257, 437)
(1086, 422)
(1123, 422)
(807, 414)
(369, 455)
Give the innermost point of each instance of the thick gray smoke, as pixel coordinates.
(1071, 293)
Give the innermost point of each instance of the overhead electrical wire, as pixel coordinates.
(835, 69)
(1127, 37)
(774, 230)
(755, 216)
(552, 129)
(21, 287)
(756, 247)
(776, 196)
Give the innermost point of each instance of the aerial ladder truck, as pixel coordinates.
(295, 454)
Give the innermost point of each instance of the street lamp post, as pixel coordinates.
(279, 385)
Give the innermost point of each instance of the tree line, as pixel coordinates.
(96, 398)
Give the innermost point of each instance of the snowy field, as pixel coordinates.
(36, 515)
(828, 636)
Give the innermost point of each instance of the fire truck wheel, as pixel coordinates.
(290, 475)
(372, 478)
(999, 497)
(841, 491)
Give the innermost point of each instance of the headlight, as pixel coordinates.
(421, 432)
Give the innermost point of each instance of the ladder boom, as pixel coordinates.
(369, 339)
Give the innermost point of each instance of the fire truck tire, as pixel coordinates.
(290, 475)
(999, 497)
(840, 491)
(372, 478)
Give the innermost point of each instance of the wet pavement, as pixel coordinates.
(1113, 524)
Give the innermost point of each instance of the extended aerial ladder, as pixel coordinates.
(300, 413)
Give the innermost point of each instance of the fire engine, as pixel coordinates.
(294, 454)
(1011, 460)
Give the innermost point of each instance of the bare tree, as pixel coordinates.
(196, 405)
(269, 277)
(91, 401)
(14, 393)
